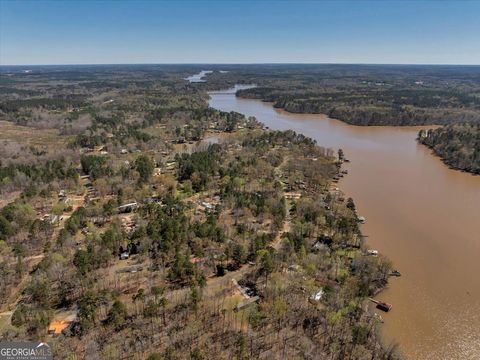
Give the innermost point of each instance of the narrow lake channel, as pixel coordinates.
(422, 215)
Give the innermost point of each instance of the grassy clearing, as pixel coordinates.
(9, 132)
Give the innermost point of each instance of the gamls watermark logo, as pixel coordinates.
(25, 351)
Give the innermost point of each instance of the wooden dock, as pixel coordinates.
(382, 305)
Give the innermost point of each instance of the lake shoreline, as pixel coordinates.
(272, 103)
(391, 175)
(335, 185)
(415, 127)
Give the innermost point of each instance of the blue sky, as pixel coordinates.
(92, 32)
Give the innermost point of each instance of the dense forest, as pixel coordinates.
(457, 144)
(135, 221)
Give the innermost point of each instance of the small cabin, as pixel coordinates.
(56, 327)
(127, 207)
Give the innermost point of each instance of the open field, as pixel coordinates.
(27, 136)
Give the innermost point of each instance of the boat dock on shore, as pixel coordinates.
(382, 305)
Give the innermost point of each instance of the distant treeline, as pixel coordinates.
(46, 103)
(363, 94)
(458, 145)
(376, 107)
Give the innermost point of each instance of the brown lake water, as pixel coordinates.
(422, 215)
